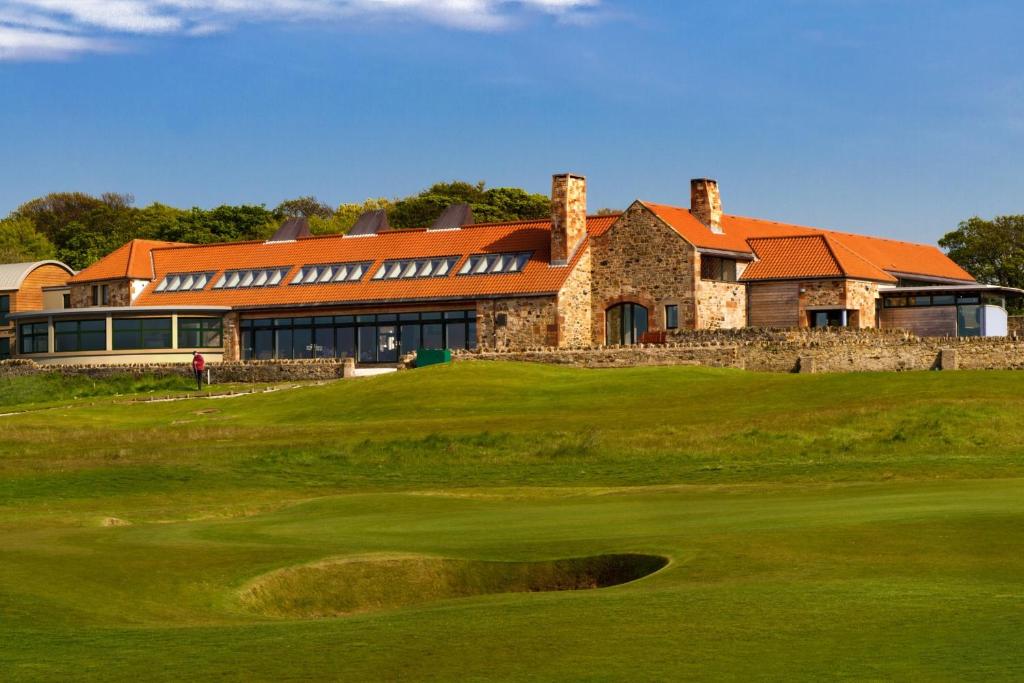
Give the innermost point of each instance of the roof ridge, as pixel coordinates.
(831, 230)
(832, 253)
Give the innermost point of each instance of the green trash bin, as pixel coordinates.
(425, 357)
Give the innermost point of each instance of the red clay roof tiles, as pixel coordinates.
(130, 261)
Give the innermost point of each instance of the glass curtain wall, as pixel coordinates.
(371, 338)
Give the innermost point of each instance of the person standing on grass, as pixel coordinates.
(198, 365)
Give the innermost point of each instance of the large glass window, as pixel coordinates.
(200, 333)
(5, 348)
(370, 338)
(80, 335)
(968, 320)
(5, 308)
(34, 338)
(625, 323)
(717, 268)
(101, 295)
(836, 318)
(142, 333)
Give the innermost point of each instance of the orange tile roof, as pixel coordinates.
(537, 277)
(804, 256)
(892, 256)
(129, 261)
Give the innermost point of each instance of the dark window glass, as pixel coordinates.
(248, 353)
(625, 323)
(5, 348)
(283, 342)
(367, 319)
(471, 335)
(471, 315)
(140, 333)
(943, 300)
(968, 320)
(717, 268)
(672, 317)
(301, 321)
(431, 316)
(433, 336)
(896, 302)
(80, 335)
(263, 344)
(67, 300)
(455, 315)
(344, 319)
(323, 321)
(5, 308)
(204, 333)
(35, 338)
(456, 335)
(968, 299)
(302, 342)
(389, 318)
(410, 338)
(346, 342)
(920, 301)
(828, 318)
(405, 317)
(387, 344)
(325, 346)
(281, 322)
(367, 344)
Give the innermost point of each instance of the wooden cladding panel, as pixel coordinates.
(926, 321)
(775, 304)
(30, 296)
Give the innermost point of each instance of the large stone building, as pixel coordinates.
(569, 281)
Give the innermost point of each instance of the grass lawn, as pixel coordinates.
(816, 526)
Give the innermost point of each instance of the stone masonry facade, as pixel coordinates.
(120, 293)
(641, 260)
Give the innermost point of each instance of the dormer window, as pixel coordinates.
(416, 268)
(326, 273)
(183, 282)
(258, 277)
(495, 264)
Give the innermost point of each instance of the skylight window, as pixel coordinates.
(495, 264)
(257, 277)
(183, 282)
(324, 273)
(407, 269)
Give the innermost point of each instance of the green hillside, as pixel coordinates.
(409, 526)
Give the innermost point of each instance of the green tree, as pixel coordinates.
(304, 207)
(992, 251)
(21, 242)
(489, 205)
(346, 215)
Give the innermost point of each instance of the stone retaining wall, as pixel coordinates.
(791, 351)
(1016, 325)
(221, 373)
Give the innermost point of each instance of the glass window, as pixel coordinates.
(433, 336)
(35, 337)
(184, 282)
(717, 268)
(410, 335)
(415, 268)
(324, 343)
(101, 295)
(142, 333)
(259, 277)
(80, 335)
(672, 317)
(387, 344)
(283, 342)
(625, 323)
(263, 344)
(5, 348)
(367, 344)
(5, 308)
(302, 342)
(968, 320)
(201, 333)
(456, 334)
(895, 302)
(490, 264)
(943, 300)
(346, 342)
(330, 272)
(920, 301)
(837, 318)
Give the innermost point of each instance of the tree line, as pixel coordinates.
(79, 228)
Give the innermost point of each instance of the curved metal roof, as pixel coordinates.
(13, 274)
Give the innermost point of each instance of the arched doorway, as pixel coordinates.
(624, 323)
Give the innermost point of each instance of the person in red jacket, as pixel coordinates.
(198, 366)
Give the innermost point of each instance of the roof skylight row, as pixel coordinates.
(183, 282)
(331, 272)
(413, 268)
(488, 264)
(259, 277)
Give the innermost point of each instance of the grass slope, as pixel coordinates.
(850, 526)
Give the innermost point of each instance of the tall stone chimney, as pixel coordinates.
(706, 203)
(568, 215)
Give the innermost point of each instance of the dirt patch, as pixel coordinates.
(114, 521)
(354, 585)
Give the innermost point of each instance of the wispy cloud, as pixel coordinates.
(57, 29)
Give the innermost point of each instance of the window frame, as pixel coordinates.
(139, 329)
(5, 309)
(671, 316)
(34, 334)
(77, 335)
(202, 327)
(727, 269)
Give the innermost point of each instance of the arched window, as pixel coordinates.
(625, 323)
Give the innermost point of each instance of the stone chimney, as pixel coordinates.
(568, 216)
(706, 203)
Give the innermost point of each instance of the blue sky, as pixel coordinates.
(899, 117)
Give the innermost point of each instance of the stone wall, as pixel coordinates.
(642, 260)
(721, 305)
(862, 297)
(806, 350)
(574, 305)
(120, 293)
(222, 373)
(517, 322)
(568, 215)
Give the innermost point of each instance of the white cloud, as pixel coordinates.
(42, 29)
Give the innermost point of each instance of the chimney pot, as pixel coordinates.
(706, 203)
